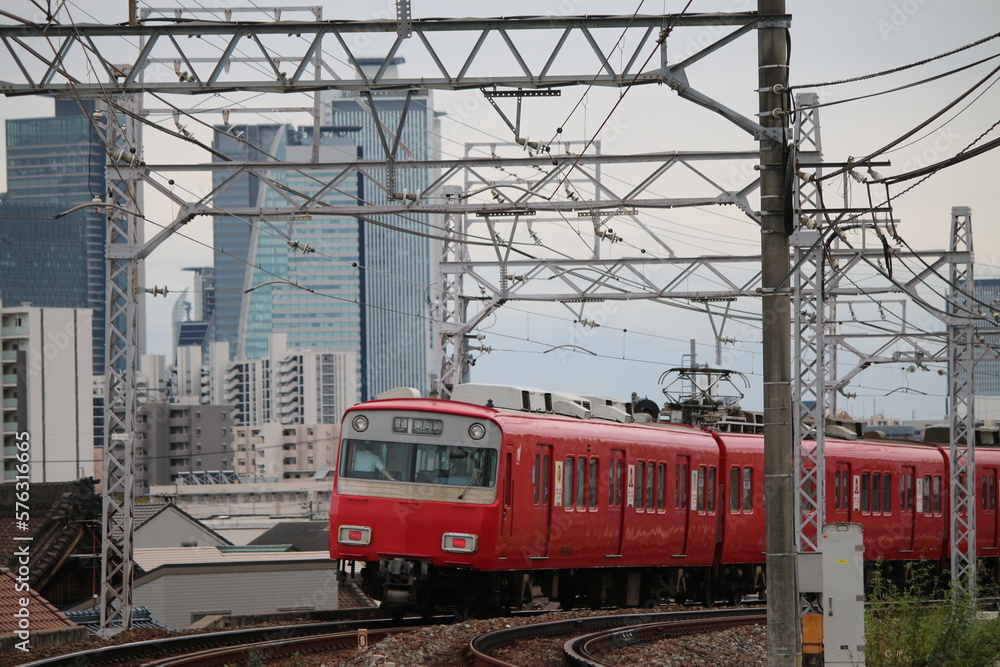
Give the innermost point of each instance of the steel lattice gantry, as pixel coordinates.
(961, 407)
(169, 57)
(53, 58)
(122, 137)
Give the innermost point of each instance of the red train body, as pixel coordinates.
(478, 508)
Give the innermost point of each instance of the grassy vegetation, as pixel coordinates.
(912, 627)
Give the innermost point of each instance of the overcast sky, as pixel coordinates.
(637, 342)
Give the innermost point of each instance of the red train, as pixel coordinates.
(451, 504)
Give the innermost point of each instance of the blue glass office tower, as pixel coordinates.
(395, 251)
(371, 281)
(54, 164)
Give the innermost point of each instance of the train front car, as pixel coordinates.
(415, 502)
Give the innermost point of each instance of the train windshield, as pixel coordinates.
(421, 463)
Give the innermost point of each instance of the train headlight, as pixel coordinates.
(355, 535)
(461, 543)
(360, 423)
(477, 431)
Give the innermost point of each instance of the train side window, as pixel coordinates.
(611, 483)
(927, 495)
(619, 482)
(748, 489)
(992, 493)
(593, 483)
(710, 505)
(661, 486)
(544, 480)
(734, 489)
(650, 486)
(536, 474)
(700, 499)
(876, 493)
(836, 490)
(581, 482)
(985, 501)
(887, 493)
(679, 480)
(904, 480)
(937, 494)
(865, 492)
(568, 483)
(640, 486)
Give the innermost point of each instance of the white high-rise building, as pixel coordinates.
(47, 362)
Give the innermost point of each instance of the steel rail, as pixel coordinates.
(587, 650)
(215, 640)
(480, 649)
(273, 649)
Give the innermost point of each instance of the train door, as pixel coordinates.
(616, 495)
(682, 495)
(986, 526)
(507, 510)
(542, 499)
(842, 497)
(907, 517)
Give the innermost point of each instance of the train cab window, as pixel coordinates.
(734, 489)
(568, 483)
(661, 486)
(748, 489)
(866, 491)
(421, 463)
(887, 493)
(710, 500)
(581, 482)
(937, 494)
(926, 496)
(592, 496)
(640, 486)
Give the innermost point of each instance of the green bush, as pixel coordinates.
(924, 625)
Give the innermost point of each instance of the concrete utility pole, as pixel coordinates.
(784, 642)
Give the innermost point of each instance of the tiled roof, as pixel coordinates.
(41, 614)
(303, 535)
(60, 523)
(141, 513)
(150, 559)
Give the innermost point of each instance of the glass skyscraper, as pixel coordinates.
(371, 283)
(54, 164)
(987, 375)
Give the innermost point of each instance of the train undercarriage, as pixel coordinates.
(413, 586)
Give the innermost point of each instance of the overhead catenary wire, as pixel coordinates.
(894, 70)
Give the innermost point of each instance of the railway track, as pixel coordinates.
(592, 638)
(217, 648)
(594, 635)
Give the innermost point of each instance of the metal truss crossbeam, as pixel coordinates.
(53, 58)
